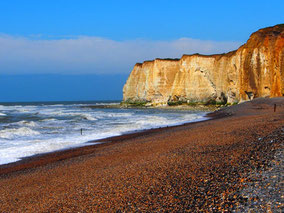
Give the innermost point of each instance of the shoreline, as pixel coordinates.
(88, 137)
(87, 147)
(202, 166)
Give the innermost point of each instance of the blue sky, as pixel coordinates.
(106, 38)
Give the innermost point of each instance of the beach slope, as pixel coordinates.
(193, 167)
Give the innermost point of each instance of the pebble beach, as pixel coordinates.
(232, 162)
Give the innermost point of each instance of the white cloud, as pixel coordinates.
(20, 55)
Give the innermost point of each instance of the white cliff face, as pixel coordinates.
(150, 81)
(256, 67)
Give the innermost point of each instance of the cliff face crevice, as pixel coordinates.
(256, 68)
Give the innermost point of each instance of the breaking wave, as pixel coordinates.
(15, 133)
(27, 130)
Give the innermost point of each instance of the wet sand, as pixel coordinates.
(193, 167)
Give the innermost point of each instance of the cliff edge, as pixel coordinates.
(256, 69)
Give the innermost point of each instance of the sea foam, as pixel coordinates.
(15, 133)
(28, 130)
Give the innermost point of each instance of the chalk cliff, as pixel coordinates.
(255, 69)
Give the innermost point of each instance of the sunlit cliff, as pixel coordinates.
(256, 69)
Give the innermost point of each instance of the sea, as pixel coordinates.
(28, 129)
